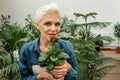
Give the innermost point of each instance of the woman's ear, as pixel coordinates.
(36, 25)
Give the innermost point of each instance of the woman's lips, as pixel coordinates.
(52, 34)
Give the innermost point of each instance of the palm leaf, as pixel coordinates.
(10, 66)
(10, 69)
(106, 60)
(11, 37)
(77, 15)
(101, 72)
(93, 14)
(99, 24)
(92, 24)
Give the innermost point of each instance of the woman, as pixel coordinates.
(48, 23)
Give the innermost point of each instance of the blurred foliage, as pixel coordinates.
(9, 68)
(30, 28)
(117, 32)
(12, 37)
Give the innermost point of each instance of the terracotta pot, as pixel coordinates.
(118, 50)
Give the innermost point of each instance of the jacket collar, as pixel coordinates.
(36, 47)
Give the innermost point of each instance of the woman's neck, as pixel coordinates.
(45, 44)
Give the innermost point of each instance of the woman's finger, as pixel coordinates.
(58, 73)
(59, 70)
(44, 75)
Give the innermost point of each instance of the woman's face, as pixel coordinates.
(49, 26)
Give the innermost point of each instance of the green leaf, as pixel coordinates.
(63, 55)
(50, 67)
(43, 56)
(59, 62)
(92, 14)
(53, 58)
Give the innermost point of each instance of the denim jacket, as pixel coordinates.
(30, 53)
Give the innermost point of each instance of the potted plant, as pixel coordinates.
(117, 34)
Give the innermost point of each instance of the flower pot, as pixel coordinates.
(118, 50)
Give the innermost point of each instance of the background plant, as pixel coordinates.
(12, 37)
(9, 67)
(85, 44)
(117, 32)
(30, 28)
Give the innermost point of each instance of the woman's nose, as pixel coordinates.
(53, 27)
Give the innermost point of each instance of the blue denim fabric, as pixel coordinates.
(30, 53)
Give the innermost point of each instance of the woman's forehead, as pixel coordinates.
(51, 17)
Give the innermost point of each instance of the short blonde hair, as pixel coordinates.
(45, 9)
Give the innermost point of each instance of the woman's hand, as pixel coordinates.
(45, 76)
(61, 71)
(38, 70)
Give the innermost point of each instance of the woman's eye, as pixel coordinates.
(47, 24)
(57, 24)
